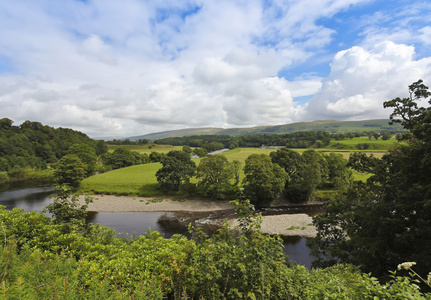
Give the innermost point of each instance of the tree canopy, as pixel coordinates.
(385, 221)
(263, 181)
(216, 175)
(177, 169)
(33, 145)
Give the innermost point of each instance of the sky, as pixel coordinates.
(112, 68)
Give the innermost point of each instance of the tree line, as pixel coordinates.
(32, 145)
(285, 172)
(300, 139)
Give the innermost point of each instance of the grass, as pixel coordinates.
(360, 176)
(135, 180)
(373, 143)
(141, 179)
(241, 154)
(146, 148)
(297, 227)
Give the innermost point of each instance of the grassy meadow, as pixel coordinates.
(134, 180)
(372, 143)
(141, 179)
(146, 148)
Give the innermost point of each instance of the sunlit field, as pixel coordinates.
(134, 180)
(372, 143)
(146, 148)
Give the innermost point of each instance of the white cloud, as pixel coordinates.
(361, 80)
(425, 34)
(131, 67)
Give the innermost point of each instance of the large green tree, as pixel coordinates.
(263, 181)
(177, 169)
(70, 170)
(387, 220)
(87, 154)
(215, 174)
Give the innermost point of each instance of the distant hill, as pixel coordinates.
(332, 126)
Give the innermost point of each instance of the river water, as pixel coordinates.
(36, 195)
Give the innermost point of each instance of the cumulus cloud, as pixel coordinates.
(135, 67)
(361, 80)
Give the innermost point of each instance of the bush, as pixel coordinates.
(40, 261)
(4, 177)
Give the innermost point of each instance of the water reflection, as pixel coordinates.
(295, 247)
(26, 195)
(135, 222)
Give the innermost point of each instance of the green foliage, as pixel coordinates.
(70, 171)
(86, 154)
(339, 174)
(187, 149)
(291, 161)
(215, 174)
(156, 156)
(213, 146)
(33, 146)
(38, 260)
(101, 147)
(380, 223)
(177, 169)
(4, 177)
(310, 171)
(200, 152)
(67, 210)
(122, 157)
(263, 181)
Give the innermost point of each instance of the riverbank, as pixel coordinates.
(111, 203)
(283, 224)
(287, 225)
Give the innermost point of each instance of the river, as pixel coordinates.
(36, 195)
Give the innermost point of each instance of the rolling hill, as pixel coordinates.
(332, 126)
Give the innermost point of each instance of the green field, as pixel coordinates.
(141, 179)
(146, 148)
(373, 143)
(134, 180)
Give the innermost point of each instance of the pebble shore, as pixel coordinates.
(284, 224)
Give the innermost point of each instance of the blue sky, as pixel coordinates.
(130, 67)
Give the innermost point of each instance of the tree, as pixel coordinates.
(339, 174)
(201, 152)
(215, 174)
(385, 221)
(302, 186)
(305, 173)
(70, 170)
(406, 111)
(156, 156)
(187, 149)
(66, 209)
(120, 158)
(263, 181)
(101, 147)
(5, 124)
(291, 161)
(177, 169)
(86, 154)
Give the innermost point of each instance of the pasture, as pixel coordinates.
(146, 148)
(372, 143)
